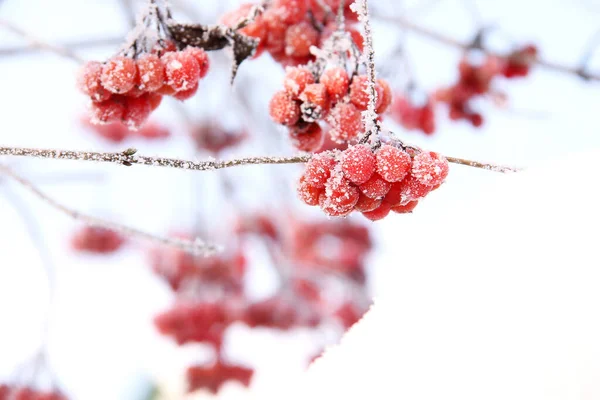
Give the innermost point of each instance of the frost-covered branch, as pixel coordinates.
(40, 44)
(129, 157)
(466, 45)
(197, 247)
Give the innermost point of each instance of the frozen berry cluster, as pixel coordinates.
(116, 132)
(91, 239)
(288, 28)
(213, 377)
(413, 116)
(333, 96)
(127, 89)
(13, 392)
(371, 182)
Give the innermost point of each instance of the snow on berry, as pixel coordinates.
(315, 102)
(308, 139)
(375, 187)
(299, 38)
(393, 164)
(359, 92)
(201, 58)
(336, 82)
(137, 111)
(384, 96)
(430, 168)
(89, 81)
(318, 169)
(296, 79)
(119, 74)
(284, 109)
(358, 163)
(347, 122)
(413, 189)
(111, 110)
(309, 193)
(151, 72)
(181, 69)
(366, 203)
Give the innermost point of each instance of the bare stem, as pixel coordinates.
(40, 44)
(448, 41)
(196, 247)
(128, 158)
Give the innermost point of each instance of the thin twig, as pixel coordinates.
(40, 44)
(129, 158)
(441, 38)
(196, 247)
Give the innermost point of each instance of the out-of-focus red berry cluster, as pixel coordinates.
(333, 97)
(214, 138)
(288, 28)
(127, 89)
(93, 239)
(371, 182)
(212, 377)
(474, 80)
(12, 392)
(116, 132)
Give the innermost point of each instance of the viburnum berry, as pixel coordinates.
(430, 168)
(186, 94)
(284, 109)
(201, 58)
(276, 29)
(347, 122)
(308, 139)
(384, 92)
(375, 187)
(366, 203)
(291, 11)
(181, 69)
(108, 111)
(393, 164)
(296, 79)
(358, 163)
(137, 111)
(308, 193)
(318, 169)
(119, 74)
(151, 72)
(97, 240)
(213, 377)
(340, 196)
(299, 38)
(413, 189)
(379, 213)
(315, 102)
(336, 82)
(89, 81)
(406, 208)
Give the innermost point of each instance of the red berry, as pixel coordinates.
(393, 164)
(315, 102)
(255, 29)
(379, 213)
(119, 74)
(276, 30)
(336, 82)
(309, 139)
(308, 193)
(394, 195)
(375, 187)
(89, 81)
(366, 203)
(181, 69)
(359, 95)
(358, 163)
(284, 109)
(407, 208)
(154, 99)
(299, 38)
(290, 11)
(202, 59)
(137, 111)
(111, 110)
(340, 195)
(384, 96)
(151, 72)
(296, 79)
(186, 94)
(412, 189)
(430, 168)
(318, 169)
(347, 122)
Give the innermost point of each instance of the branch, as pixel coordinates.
(448, 41)
(129, 158)
(196, 247)
(40, 44)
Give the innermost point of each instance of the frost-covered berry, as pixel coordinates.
(296, 79)
(290, 11)
(406, 208)
(308, 193)
(393, 164)
(299, 38)
(358, 163)
(276, 29)
(413, 189)
(375, 187)
(284, 109)
(394, 195)
(315, 102)
(111, 110)
(336, 82)
(154, 99)
(384, 96)
(347, 122)
(119, 74)
(339, 197)
(379, 213)
(151, 72)
(366, 203)
(89, 81)
(359, 95)
(318, 169)
(308, 139)
(137, 111)
(181, 69)
(201, 58)
(430, 168)
(186, 94)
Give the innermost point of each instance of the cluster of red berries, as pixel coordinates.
(116, 132)
(214, 376)
(414, 116)
(10, 392)
(288, 28)
(127, 90)
(307, 99)
(214, 138)
(93, 239)
(371, 182)
(475, 80)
